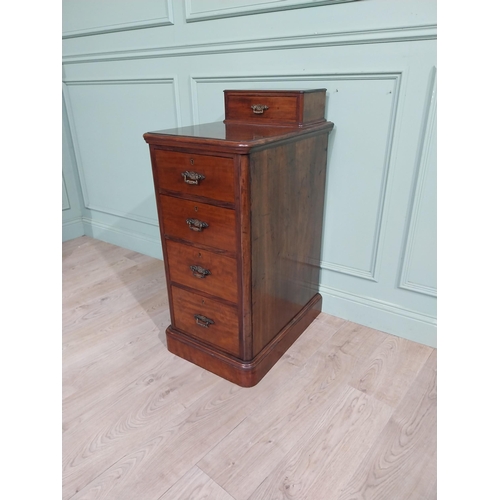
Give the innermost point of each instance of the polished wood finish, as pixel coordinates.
(313, 108)
(298, 108)
(347, 412)
(218, 173)
(219, 233)
(277, 109)
(220, 138)
(220, 333)
(245, 261)
(223, 278)
(245, 374)
(287, 219)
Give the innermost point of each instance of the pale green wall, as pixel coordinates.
(136, 66)
(72, 223)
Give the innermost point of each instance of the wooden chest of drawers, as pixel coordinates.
(240, 208)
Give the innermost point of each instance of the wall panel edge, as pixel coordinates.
(66, 205)
(270, 6)
(421, 170)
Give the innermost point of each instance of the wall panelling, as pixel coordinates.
(375, 58)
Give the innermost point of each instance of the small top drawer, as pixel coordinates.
(275, 107)
(199, 175)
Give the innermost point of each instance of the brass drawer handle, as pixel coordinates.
(192, 177)
(199, 272)
(203, 320)
(196, 225)
(259, 109)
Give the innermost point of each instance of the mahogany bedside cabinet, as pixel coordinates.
(240, 206)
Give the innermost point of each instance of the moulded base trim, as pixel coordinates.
(123, 238)
(72, 229)
(380, 315)
(244, 373)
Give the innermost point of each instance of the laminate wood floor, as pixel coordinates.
(348, 412)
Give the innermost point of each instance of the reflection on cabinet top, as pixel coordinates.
(231, 138)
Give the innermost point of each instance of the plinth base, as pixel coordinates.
(244, 373)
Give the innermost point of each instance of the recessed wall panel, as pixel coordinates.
(85, 17)
(362, 108)
(109, 118)
(419, 270)
(120, 67)
(363, 113)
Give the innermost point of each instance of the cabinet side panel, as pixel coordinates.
(287, 198)
(314, 106)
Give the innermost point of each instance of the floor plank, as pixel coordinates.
(196, 485)
(393, 355)
(347, 413)
(336, 442)
(402, 462)
(271, 431)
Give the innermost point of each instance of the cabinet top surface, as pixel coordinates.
(232, 136)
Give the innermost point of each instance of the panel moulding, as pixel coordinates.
(212, 10)
(372, 272)
(65, 198)
(316, 40)
(113, 28)
(422, 167)
(74, 137)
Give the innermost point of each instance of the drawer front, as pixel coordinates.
(206, 271)
(206, 319)
(279, 109)
(199, 223)
(194, 174)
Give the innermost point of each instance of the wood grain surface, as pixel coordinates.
(224, 318)
(220, 233)
(286, 236)
(218, 173)
(347, 413)
(222, 279)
